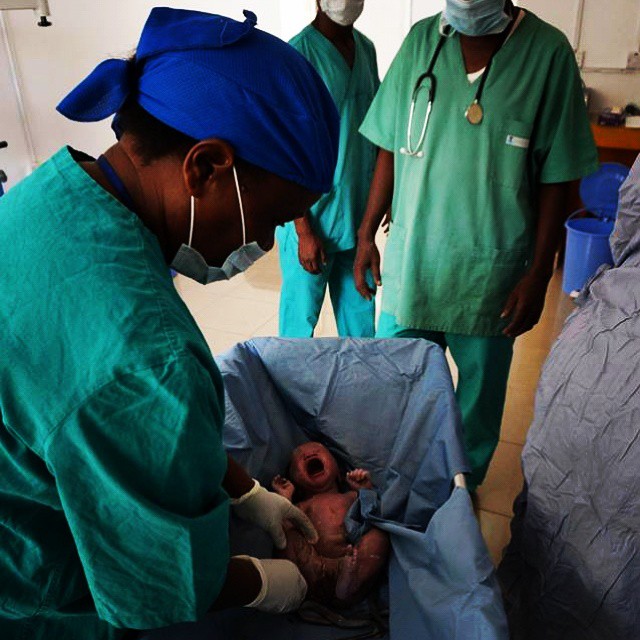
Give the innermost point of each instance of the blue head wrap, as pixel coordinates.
(209, 76)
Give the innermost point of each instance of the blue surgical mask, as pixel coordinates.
(191, 263)
(476, 17)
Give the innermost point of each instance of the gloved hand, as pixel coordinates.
(283, 587)
(269, 511)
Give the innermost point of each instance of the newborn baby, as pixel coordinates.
(336, 572)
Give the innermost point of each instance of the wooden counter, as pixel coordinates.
(617, 144)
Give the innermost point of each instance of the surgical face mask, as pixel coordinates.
(342, 12)
(476, 17)
(191, 264)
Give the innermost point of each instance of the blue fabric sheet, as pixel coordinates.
(572, 569)
(387, 406)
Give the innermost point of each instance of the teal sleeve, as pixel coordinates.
(565, 149)
(379, 125)
(374, 67)
(139, 468)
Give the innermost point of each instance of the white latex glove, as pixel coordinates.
(283, 587)
(269, 511)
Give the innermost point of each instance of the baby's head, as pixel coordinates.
(313, 469)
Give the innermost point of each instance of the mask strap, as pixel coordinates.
(244, 228)
(193, 218)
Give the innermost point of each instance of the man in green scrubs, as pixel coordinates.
(318, 250)
(115, 488)
(479, 203)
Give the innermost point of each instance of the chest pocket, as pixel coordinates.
(510, 151)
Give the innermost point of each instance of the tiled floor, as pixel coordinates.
(247, 306)
(504, 480)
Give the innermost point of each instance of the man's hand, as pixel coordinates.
(525, 304)
(367, 259)
(311, 252)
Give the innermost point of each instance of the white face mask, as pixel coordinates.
(342, 12)
(190, 263)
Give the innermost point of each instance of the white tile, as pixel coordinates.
(236, 315)
(269, 329)
(220, 341)
(504, 480)
(196, 295)
(452, 367)
(257, 291)
(326, 327)
(496, 533)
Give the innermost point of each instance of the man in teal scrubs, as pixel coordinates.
(318, 250)
(115, 488)
(479, 198)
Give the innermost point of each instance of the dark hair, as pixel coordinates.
(152, 138)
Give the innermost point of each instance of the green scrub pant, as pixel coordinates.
(303, 294)
(483, 370)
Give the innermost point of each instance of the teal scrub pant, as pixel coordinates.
(303, 294)
(483, 370)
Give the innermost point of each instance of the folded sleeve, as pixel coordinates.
(380, 123)
(139, 468)
(565, 149)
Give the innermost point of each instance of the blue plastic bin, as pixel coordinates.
(588, 237)
(587, 249)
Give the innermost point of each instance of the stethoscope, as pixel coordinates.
(474, 113)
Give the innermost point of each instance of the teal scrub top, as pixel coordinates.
(112, 513)
(337, 215)
(464, 215)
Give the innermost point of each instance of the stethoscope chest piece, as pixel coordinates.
(475, 113)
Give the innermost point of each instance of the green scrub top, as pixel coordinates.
(111, 412)
(464, 215)
(337, 215)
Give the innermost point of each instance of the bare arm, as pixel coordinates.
(310, 248)
(526, 302)
(241, 587)
(237, 482)
(380, 197)
(552, 215)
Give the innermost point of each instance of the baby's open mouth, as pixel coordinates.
(315, 467)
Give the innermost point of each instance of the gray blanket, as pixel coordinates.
(572, 570)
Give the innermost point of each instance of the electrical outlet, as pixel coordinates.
(633, 61)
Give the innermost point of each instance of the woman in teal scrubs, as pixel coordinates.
(114, 485)
(478, 180)
(318, 250)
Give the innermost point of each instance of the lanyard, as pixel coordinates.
(116, 182)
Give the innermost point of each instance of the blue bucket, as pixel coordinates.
(588, 237)
(587, 249)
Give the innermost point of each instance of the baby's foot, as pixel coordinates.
(347, 582)
(359, 479)
(283, 487)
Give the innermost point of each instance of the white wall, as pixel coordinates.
(603, 35)
(52, 60)
(15, 159)
(385, 22)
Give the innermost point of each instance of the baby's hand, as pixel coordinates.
(359, 479)
(283, 487)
